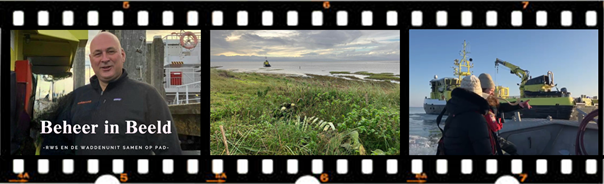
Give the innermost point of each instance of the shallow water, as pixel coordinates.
(312, 67)
(423, 132)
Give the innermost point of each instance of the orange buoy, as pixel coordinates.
(184, 42)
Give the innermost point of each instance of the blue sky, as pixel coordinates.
(572, 55)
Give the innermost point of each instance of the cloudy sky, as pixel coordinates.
(305, 45)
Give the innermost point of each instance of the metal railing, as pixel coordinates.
(582, 115)
(191, 100)
(185, 77)
(176, 36)
(186, 86)
(511, 97)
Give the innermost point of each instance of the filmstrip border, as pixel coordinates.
(326, 170)
(486, 170)
(308, 15)
(304, 15)
(204, 170)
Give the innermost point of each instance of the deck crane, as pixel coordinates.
(540, 86)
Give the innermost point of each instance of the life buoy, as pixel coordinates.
(184, 44)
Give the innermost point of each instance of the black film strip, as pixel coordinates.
(210, 16)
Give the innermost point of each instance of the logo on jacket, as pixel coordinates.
(117, 99)
(84, 102)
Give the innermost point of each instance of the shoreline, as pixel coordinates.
(357, 77)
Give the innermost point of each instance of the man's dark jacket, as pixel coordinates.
(123, 99)
(466, 131)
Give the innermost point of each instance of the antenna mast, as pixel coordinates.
(463, 63)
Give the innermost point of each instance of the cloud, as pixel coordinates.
(253, 38)
(310, 54)
(299, 45)
(218, 39)
(326, 38)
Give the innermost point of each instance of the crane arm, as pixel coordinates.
(523, 74)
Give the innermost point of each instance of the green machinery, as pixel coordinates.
(544, 101)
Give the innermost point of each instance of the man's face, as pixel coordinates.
(106, 57)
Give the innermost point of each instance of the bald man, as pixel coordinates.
(129, 117)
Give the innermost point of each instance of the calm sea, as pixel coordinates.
(312, 67)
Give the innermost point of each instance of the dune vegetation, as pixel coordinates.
(272, 114)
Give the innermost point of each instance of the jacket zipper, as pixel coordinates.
(100, 112)
(102, 97)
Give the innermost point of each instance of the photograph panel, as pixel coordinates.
(493, 92)
(105, 92)
(305, 92)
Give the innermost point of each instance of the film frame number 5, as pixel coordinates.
(124, 177)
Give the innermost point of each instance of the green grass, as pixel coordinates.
(249, 106)
(339, 72)
(363, 73)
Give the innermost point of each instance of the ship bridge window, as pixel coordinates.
(451, 82)
(538, 80)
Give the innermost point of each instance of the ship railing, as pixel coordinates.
(177, 36)
(582, 115)
(190, 100)
(511, 97)
(186, 91)
(184, 77)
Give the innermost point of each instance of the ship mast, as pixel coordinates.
(464, 63)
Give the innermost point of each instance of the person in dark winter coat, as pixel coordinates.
(497, 110)
(466, 131)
